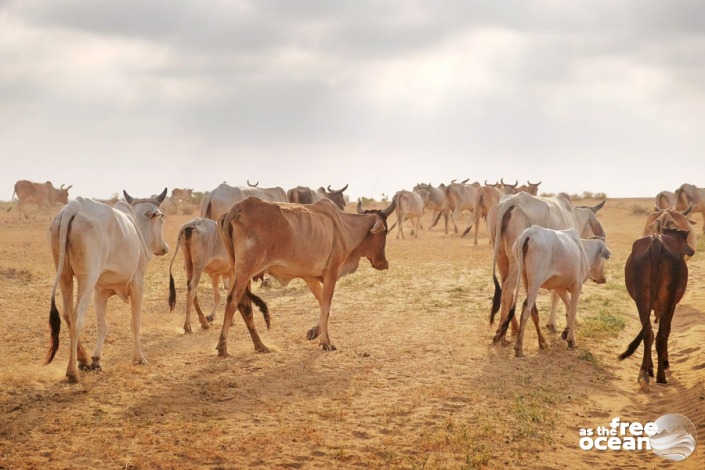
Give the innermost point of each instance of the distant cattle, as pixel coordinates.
(665, 200)
(529, 187)
(305, 195)
(182, 194)
(659, 220)
(317, 243)
(557, 260)
(42, 194)
(460, 197)
(434, 199)
(486, 197)
(107, 249)
(689, 194)
(656, 276)
(203, 251)
(409, 206)
(222, 198)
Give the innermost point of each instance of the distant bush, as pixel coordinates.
(587, 195)
(547, 194)
(638, 210)
(187, 210)
(600, 196)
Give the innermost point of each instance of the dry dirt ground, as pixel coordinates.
(415, 382)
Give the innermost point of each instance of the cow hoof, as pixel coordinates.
(73, 378)
(210, 318)
(564, 335)
(665, 364)
(518, 353)
(84, 366)
(223, 354)
(661, 381)
(140, 360)
(543, 345)
(262, 348)
(551, 328)
(571, 344)
(328, 347)
(312, 333)
(187, 330)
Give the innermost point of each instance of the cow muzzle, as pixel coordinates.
(381, 265)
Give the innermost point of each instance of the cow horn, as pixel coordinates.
(388, 211)
(360, 210)
(465, 181)
(61, 187)
(161, 197)
(337, 190)
(128, 198)
(515, 184)
(596, 208)
(486, 183)
(688, 209)
(452, 181)
(533, 184)
(501, 181)
(71, 186)
(252, 185)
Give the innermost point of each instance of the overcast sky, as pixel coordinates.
(604, 96)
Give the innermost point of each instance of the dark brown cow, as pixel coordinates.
(305, 195)
(315, 242)
(656, 275)
(42, 194)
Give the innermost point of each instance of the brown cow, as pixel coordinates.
(42, 194)
(315, 242)
(485, 198)
(659, 220)
(656, 276)
(529, 187)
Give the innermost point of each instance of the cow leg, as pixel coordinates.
(664, 330)
(506, 300)
(572, 311)
(477, 228)
(237, 289)
(647, 368)
(244, 306)
(326, 298)
(551, 325)
(453, 216)
(191, 300)
(535, 317)
(101, 303)
(75, 322)
(215, 278)
(400, 227)
(136, 293)
(317, 291)
(526, 310)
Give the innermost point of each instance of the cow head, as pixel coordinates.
(61, 195)
(597, 252)
(588, 225)
(373, 246)
(150, 221)
(658, 221)
(681, 237)
(336, 195)
(685, 195)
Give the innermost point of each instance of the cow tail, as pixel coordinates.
(172, 287)
(260, 304)
(504, 212)
(11, 198)
(54, 318)
(632, 346)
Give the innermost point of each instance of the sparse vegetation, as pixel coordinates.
(638, 210)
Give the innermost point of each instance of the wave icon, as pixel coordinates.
(675, 439)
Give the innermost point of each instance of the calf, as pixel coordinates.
(204, 251)
(558, 260)
(656, 275)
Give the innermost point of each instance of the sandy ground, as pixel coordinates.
(415, 382)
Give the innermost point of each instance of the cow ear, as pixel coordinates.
(151, 213)
(692, 222)
(606, 253)
(377, 227)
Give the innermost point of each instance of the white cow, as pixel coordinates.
(558, 260)
(107, 249)
(222, 198)
(410, 206)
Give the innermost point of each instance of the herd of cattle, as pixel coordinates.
(245, 233)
